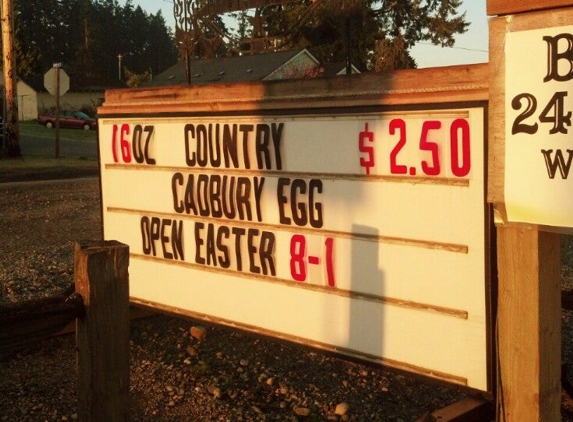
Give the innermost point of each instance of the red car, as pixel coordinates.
(72, 119)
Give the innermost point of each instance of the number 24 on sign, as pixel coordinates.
(430, 143)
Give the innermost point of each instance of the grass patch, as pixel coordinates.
(39, 167)
(33, 128)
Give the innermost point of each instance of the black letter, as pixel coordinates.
(246, 129)
(266, 249)
(145, 236)
(277, 135)
(262, 146)
(155, 229)
(189, 157)
(315, 220)
(299, 219)
(203, 195)
(230, 146)
(243, 194)
(252, 251)
(202, 146)
(198, 242)
(177, 179)
(224, 260)
(238, 232)
(557, 163)
(177, 239)
(214, 145)
(148, 158)
(165, 239)
(282, 200)
(554, 57)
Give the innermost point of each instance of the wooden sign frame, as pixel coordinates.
(455, 88)
(507, 7)
(499, 27)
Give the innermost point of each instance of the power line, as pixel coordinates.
(456, 48)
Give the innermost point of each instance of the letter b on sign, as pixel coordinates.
(559, 57)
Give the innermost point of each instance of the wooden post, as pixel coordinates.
(529, 327)
(101, 277)
(529, 294)
(11, 126)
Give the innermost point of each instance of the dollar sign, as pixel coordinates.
(364, 139)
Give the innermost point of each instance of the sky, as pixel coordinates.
(471, 47)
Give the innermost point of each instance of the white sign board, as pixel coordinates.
(358, 233)
(538, 109)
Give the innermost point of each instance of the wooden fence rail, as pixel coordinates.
(32, 320)
(99, 302)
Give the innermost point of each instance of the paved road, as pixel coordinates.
(68, 148)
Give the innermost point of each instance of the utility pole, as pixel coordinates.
(119, 57)
(12, 131)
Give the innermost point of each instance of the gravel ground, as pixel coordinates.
(227, 376)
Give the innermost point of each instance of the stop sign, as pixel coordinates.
(50, 81)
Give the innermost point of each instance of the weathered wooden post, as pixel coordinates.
(101, 277)
(530, 124)
(12, 141)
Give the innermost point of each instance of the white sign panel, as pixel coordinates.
(360, 233)
(538, 142)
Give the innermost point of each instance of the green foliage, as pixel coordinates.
(87, 36)
(372, 34)
(134, 80)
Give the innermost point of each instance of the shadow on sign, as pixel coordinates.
(365, 330)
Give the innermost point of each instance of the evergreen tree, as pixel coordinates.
(34, 34)
(161, 52)
(372, 34)
(87, 36)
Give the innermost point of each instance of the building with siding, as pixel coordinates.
(34, 99)
(249, 68)
(27, 99)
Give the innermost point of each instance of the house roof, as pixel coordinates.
(246, 68)
(78, 84)
(334, 69)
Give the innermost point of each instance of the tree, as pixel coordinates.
(34, 35)
(372, 34)
(407, 23)
(134, 80)
(87, 36)
(241, 19)
(81, 32)
(161, 51)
